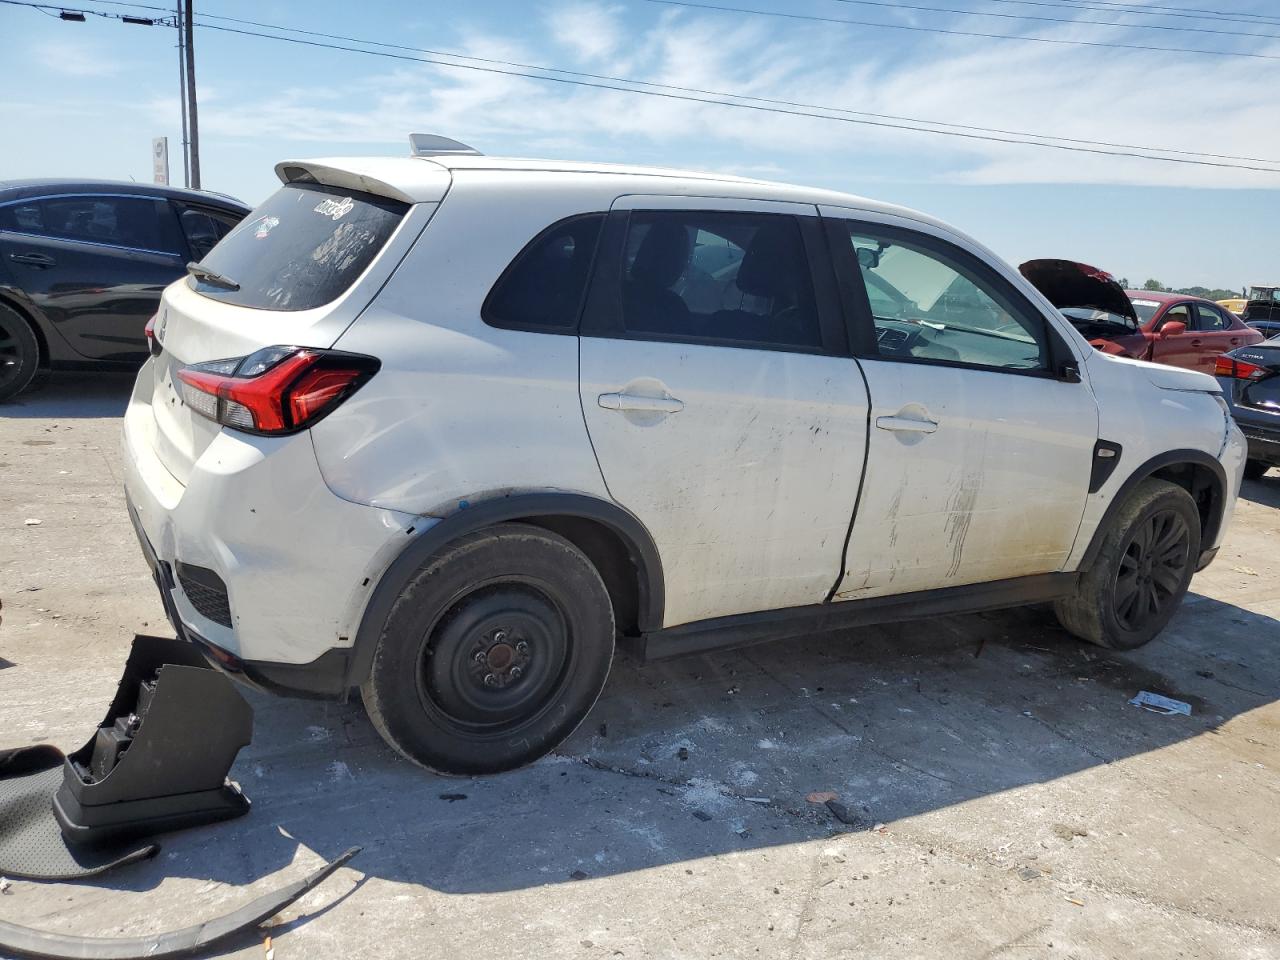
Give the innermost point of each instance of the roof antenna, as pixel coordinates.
(434, 145)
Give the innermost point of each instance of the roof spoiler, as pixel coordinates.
(434, 145)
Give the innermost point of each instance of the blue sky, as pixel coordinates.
(106, 88)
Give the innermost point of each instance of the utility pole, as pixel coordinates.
(182, 95)
(188, 34)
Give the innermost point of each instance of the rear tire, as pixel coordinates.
(1141, 574)
(19, 353)
(495, 651)
(1255, 469)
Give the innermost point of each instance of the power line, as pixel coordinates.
(721, 93)
(809, 113)
(1151, 10)
(964, 33)
(898, 5)
(761, 105)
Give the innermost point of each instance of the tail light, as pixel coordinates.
(277, 390)
(149, 331)
(1238, 369)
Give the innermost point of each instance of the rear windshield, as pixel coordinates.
(301, 249)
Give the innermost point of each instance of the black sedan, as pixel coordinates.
(1250, 378)
(82, 266)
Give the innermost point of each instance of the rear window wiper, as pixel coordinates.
(205, 275)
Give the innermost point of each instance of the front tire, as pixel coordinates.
(1141, 574)
(19, 353)
(494, 653)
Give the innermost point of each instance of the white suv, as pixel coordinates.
(443, 427)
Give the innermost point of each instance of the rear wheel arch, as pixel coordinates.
(1201, 475)
(616, 543)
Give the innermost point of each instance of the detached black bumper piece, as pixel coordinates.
(159, 761)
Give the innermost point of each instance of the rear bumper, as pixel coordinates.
(297, 562)
(1264, 440)
(325, 678)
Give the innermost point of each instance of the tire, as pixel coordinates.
(19, 353)
(1255, 469)
(1148, 557)
(495, 651)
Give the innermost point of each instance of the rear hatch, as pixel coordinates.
(295, 272)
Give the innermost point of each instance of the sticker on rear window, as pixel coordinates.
(337, 209)
(264, 226)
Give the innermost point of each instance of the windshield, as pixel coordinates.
(301, 249)
(1262, 293)
(1086, 318)
(1145, 309)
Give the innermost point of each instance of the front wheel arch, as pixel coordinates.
(1201, 475)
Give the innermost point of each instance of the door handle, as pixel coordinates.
(33, 259)
(631, 401)
(1235, 341)
(1197, 342)
(906, 424)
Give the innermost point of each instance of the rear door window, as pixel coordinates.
(301, 249)
(1209, 319)
(726, 278)
(204, 228)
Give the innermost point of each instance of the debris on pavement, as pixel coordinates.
(1067, 833)
(1158, 703)
(32, 522)
(1030, 873)
(1247, 571)
(763, 801)
(683, 753)
(578, 875)
(702, 815)
(452, 797)
(1078, 903)
(5, 884)
(822, 796)
(843, 813)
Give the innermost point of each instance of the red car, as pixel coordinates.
(1167, 328)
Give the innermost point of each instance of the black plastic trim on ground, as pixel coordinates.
(25, 942)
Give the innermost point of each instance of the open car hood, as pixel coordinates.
(1070, 284)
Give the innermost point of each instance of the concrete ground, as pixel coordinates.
(1011, 803)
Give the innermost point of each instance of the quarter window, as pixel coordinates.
(543, 287)
(137, 222)
(730, 278)
(928, 304)
(203, 229)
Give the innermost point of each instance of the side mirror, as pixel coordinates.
(869, 259)
(1172, 329)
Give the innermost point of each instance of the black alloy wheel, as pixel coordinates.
(19, 353)
(1152, 569)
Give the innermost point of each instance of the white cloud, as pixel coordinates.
(1182, 102)
(74, 58)
(590, 31)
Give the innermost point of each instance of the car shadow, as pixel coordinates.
(1265, 491)
(713, 754)
(73, 396)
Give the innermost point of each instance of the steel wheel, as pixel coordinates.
(496, 658)
(1152, 569)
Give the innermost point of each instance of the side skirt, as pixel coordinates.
(745, 629)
